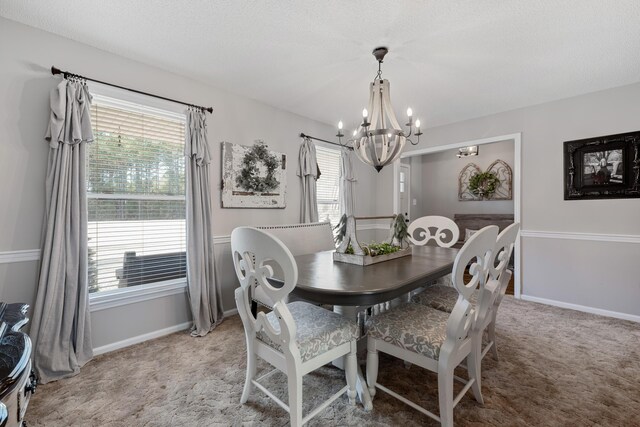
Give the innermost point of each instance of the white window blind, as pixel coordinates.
(135, 195)
(328, 185)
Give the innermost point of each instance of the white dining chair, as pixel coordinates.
(440, 229)
(300, 239)
(436, 340)
(442, 297)
(295, 338)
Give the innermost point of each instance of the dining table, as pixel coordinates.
(350, 288)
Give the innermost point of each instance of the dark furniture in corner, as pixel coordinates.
(17, 380)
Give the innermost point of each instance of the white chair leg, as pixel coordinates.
(445, 396)
(372, 366)
(251, 374)
(295, 397)
(351, 372)
(474, 369)
(491, 333)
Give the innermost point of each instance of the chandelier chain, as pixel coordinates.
(379, 74)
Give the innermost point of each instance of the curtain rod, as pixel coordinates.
(55, 71)
(302, 135)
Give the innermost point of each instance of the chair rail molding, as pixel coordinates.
(593, 237)
(19, 256)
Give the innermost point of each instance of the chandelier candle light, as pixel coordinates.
(379, 140)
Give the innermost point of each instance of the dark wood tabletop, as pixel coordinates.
(324, 281)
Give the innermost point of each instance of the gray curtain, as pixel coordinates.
(308, 172)
(347, 179)
(204, 292)
(61, 326)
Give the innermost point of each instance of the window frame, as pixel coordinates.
(123, 296)
(337, 200)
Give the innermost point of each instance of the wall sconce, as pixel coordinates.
(467, 151)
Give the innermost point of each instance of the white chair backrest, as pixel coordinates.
(505, 277)
(446, 231)
(253, 251)
(504, 248)
(487, 297)
(476, 253)
(302, 239)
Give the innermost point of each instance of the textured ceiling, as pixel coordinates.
(449, 60)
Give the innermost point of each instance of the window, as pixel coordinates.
(135, 195)
(328, 184)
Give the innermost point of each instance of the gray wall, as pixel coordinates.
(25, 82)
(551, 269)
(556, 255)
(439, 174)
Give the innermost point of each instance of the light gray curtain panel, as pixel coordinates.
(347, 179)
(61, 327)
(204, 291)
(308, 172)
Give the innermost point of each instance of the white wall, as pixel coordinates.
(439, 174)
(563, 240)
(25, 81)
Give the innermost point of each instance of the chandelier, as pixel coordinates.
(379, 140)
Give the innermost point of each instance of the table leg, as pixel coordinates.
(361, 383)
(363, 391)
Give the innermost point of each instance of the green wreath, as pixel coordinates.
(484, 184)
(249, 179)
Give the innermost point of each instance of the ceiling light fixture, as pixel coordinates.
(379, 140)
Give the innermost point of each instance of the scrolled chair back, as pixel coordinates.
(504, 248)
(254, 252)
(492, 293)
(476, 253)
(444, 228)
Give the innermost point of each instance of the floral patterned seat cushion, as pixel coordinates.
(413, 327)
(445, 281)
(441, 297)
(318, 330)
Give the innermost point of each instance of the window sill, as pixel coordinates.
(119, 297)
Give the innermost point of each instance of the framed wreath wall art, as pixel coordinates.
(495, 183)
(253, 176)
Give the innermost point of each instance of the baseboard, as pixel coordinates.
(583, 308)
(151, 335)
(229, 313)
(140, 338)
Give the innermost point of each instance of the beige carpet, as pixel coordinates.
(557, 368)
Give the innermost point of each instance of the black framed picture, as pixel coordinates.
(604, 167)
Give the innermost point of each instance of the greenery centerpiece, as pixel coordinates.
(374, 249)
(350, 251)
(340, 230)
(399, 231)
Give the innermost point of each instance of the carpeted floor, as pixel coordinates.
(557, 368)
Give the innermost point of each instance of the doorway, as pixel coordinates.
(404, 191)
(516, 139)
